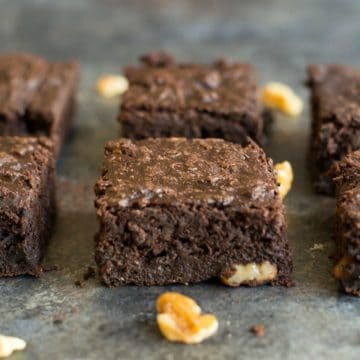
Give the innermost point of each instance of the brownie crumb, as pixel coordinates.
(79, 283)
(49, 268)
(90, 273)
(158, 58)
(58, 319)
(258, 330)
(74, 309)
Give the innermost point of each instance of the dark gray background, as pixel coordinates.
(310, 321)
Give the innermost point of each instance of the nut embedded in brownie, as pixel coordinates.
(335, 100)
(174, 210)
(347, 180)
(37, 97)
(167, 99)
(27, 211)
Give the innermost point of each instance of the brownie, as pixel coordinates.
(176, 210)
(335, 99)
(191, 100)
(27, 195)
(347, 180)
(36, 97)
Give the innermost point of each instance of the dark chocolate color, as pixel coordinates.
(335, 98)
(191, 100)
(27, 195)
(179, 211)
(36, 97)
(347, 179)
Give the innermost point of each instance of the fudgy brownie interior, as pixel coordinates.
(177, 211)
(27, 194)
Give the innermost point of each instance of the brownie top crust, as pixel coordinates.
(30, 84)
(163, 85)
(336, 89)
(22, 160)
(177, 170)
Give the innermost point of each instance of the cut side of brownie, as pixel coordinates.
(335, 99)
(36, 97)
(347, 179)
(167, 99)
(27, 211)
(174, 210)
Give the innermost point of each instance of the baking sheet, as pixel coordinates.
(312, 320)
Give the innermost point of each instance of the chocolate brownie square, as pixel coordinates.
(335, 99)
(347, 180)
(36, 97)
(176, 210)
(27, 197)
(167, 99)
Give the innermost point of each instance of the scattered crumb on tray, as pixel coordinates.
(79, 283)
(316, 247)
(258, 330)
(49, 268)
(58, 319)
(88, 274)
(74, 309)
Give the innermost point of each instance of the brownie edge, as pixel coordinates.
(166, 99)
(347, 224)
(173, 210)
(37, 96)
(27, 194)
(335, 103)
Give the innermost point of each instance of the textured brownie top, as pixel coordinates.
(337, 91)
(221, 87)
(22, 161)
(31, 85)
(176, 170)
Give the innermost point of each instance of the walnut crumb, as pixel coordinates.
(281, 97)
(284, 177)
(109, 85)
(251, 273)
(316, 247)
(179, 319)
(9, 344)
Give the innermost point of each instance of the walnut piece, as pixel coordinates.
(281, 97)
(9, 344)
(109, 86)
(252, 273)
(179, 319)
(285, 177)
